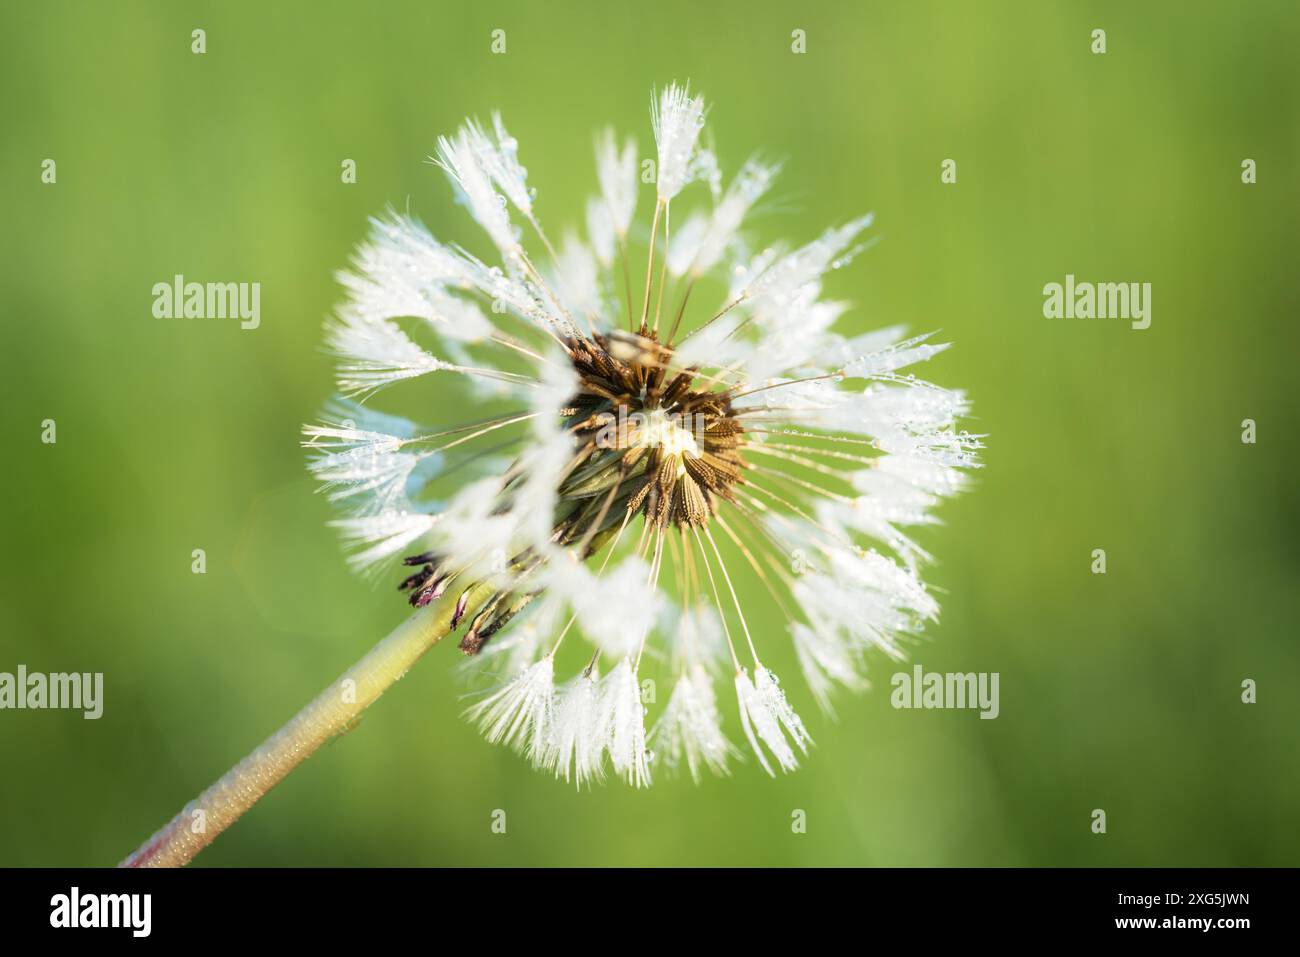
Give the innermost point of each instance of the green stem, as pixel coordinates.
(332, 711)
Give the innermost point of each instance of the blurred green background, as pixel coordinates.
(1119, 692)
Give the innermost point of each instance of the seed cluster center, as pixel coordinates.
(647, 437)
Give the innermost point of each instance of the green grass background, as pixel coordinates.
(1118, 692)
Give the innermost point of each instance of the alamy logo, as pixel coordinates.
(76, 691)
(1103, 300)
(179, 299)
(75, 909)
(921, 689)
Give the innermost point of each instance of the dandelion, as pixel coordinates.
(635, 461)
(575, 749)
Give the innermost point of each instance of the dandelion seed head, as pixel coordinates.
(614, 464)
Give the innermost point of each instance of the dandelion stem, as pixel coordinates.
(650, 265)
(627, 279)
(663, 267)
(332, 712)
